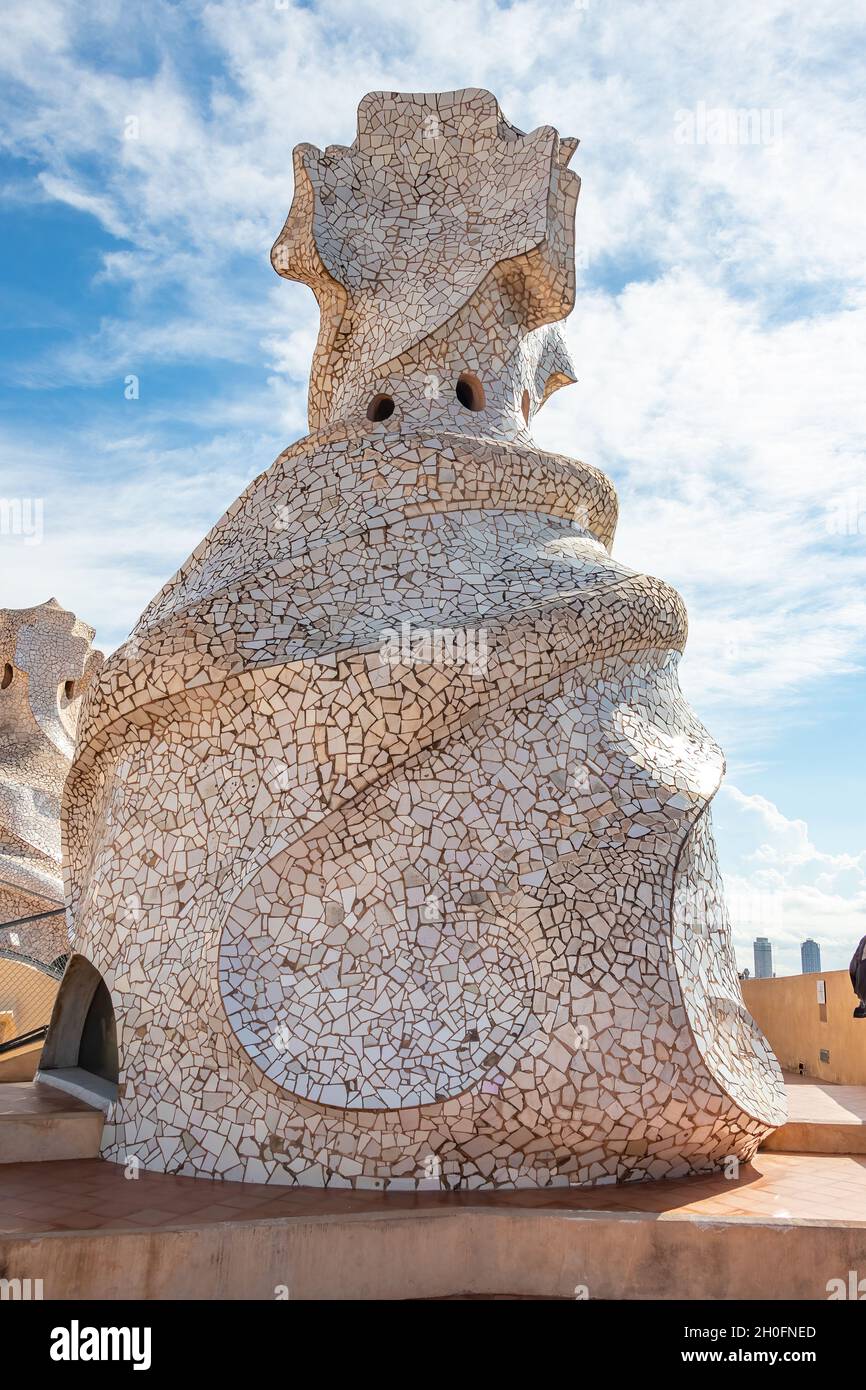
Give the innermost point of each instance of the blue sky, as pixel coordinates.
(719, 331)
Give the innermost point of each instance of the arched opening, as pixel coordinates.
(6, 678)
(469, 391)
(80, 1053)
(69, 689)
(380, 408)
(524, 407)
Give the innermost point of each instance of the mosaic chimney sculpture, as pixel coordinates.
(46, 664)
(389, 827)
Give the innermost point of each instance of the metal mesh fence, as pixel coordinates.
(33, 955)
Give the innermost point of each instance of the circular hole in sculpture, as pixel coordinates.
(469, 391)
(524, 407)
(6, 679)
(381, 407)
(69, 689)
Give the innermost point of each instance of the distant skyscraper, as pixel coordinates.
(810, 957)
(763, 958)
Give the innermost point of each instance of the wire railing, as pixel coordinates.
(33, 955)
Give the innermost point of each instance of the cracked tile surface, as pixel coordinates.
(389, 826)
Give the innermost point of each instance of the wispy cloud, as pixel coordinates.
(783, 886)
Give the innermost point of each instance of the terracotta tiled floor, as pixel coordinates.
(88, 1194)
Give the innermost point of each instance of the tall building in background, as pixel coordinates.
(810, 957)
(763, 958)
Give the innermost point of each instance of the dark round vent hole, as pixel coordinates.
(380, 408)
(469, 391)
(69, 689)
(6, 679)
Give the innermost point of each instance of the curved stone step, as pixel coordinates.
(38, 1123)
(823, 1118)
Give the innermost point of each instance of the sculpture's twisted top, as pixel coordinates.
(399, 232)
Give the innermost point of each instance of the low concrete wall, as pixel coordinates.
(798, 1027)
(436, 1254)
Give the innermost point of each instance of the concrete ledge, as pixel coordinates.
(21, 1063)
(36, 1139)
(75, 1081)
(38, 1124)
(805, 1137)
(434, 1254)
(824, 1119)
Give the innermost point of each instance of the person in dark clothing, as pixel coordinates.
(857, 971)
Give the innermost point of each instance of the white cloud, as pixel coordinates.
(735, 445)
(781, 885)
(114, 533)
